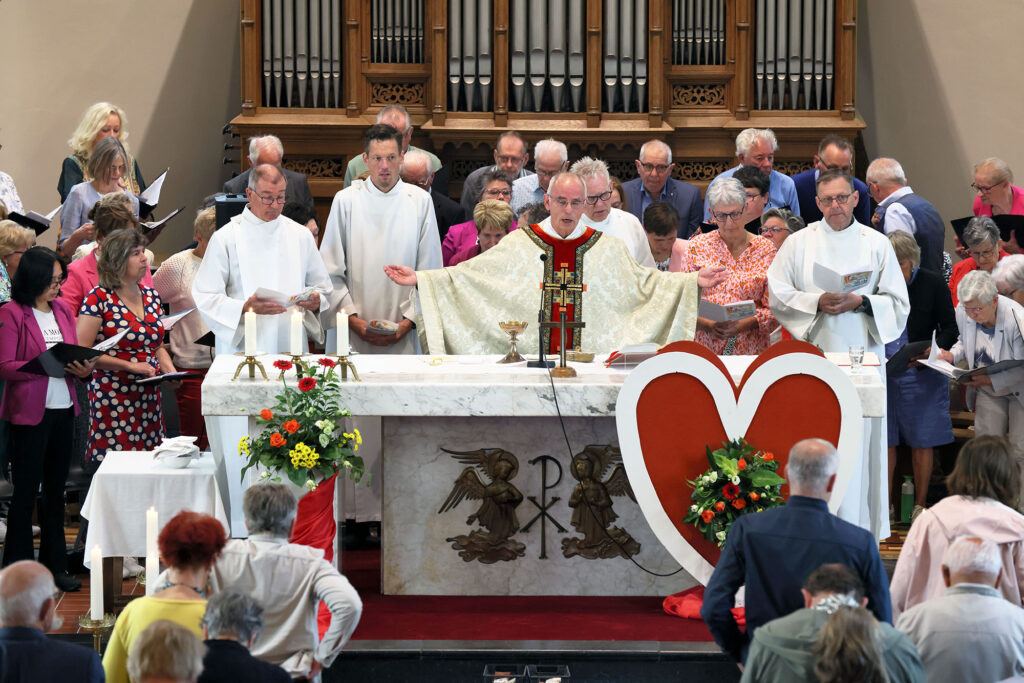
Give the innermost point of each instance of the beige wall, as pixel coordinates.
(938, 84)
(173, 66)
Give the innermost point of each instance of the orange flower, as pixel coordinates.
(754, 495)
(739, 503)
(291, 426)
(707, 516)
(742, 464)
(276, 439)
(768, 457)
(719, 506)
(266, 414)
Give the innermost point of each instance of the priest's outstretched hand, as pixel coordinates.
(710, 276)
(263, 307)
(403, 275)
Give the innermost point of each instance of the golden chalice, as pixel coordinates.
(513, 328)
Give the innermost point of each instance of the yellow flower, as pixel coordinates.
(359, 437)
(302, 456)
(243, 446)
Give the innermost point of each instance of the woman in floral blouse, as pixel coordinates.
(746, 258)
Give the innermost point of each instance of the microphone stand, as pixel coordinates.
(541, 362)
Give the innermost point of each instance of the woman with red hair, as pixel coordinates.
(189, 545)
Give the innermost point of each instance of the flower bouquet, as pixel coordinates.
(303, 438)
(741, 479)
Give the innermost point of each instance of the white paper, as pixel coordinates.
(150, 227)
(722, 312)
(935, 363)
(49, 216)
(282, 299)
(45, 220)
(151, 195)
(111, 342)
(170, 321)
(850, 280)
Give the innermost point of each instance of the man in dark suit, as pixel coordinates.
(269, 150)
(416, 171)
(654, 185)
(834, 153)
(231, 625)
(772, 552)
(28, 609)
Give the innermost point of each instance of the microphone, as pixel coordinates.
(543, 258)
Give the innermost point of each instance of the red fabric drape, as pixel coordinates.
(687, 605)
(315, 527)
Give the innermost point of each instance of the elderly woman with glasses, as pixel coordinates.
(990, 331)
(1009, 277)
(993, 181)
(746, 258)
(778, 224)
(14, 241)
(496, 185)
(981, 237)
(39, 410)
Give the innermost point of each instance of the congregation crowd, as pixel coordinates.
(756, 236)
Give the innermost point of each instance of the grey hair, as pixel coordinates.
(264, 172)
(261, 141)
(401, 110)
(999, 168)
(661, 144)
(232, 613)
(416, 156)
(558, 176)
(269, 508)
(589, 167)
(792, 221)
(551, 145)
(979, 230)
(23, 608)
(166, 649)
(726, 191)
(886, 170)
(811, 463)
(748, 137)
(978, 286)
(1009, 272)
(974, 555)
(906, 247)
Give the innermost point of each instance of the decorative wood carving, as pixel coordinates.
(398, 93)
(698, 95)
(318, 168)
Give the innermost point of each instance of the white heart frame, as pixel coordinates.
(736, 415)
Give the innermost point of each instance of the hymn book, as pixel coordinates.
(152, 230)
(719, 313)
(282, 299)
(841, 282)
(959, 374)
(34, 221)
(150, 197)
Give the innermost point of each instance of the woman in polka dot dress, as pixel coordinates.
(124, 415)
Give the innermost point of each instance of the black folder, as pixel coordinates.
(901, 359)
(52, 361)
(31, 221)
(1007, 223)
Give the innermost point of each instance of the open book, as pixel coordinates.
(150, 197)
(722, 312)
(170, 321)
(52, 361)
(959, 374)
(841, 282)
(282, 299)
(631, 355)
(34, 221)
(152, 230)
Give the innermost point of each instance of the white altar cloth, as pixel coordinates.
(130, 482)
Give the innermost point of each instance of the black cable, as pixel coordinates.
(565, 434)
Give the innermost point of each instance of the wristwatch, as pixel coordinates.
(865, 306)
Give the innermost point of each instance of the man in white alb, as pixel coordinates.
(869, 316)
(599, 214)
(258, 248)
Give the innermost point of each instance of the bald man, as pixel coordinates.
(416, 170)
(28, 610)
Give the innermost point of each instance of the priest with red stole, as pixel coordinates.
(557, 265)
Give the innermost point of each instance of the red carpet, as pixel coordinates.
(417, 617)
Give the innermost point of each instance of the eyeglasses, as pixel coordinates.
(503, 159)
(723, 217)
(766, 230)
(270, 201)
(547, 174)
(978, 253)
(975, 309)
(58, 281)
(752, 197)
(840, 199)
(391, 158)
(498, 193)
(981, 189)
(563, 202)
(595, 198)
(654, 168)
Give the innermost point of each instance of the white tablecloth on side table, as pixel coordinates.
(129, 483)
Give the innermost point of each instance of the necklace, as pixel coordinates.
(169, 584)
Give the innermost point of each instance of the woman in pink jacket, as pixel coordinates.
(39, 409)
(984, 497)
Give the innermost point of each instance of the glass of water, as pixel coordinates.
(856, 359)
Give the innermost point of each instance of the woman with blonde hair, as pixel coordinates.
(849, 648)
(99, 121)
(493, 219)
(14, 241)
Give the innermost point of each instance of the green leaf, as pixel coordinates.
(765, 478)
(726, 465)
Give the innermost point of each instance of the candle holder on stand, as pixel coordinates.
(97, 627)
(252, 363)
(345, 364)
(296, 363)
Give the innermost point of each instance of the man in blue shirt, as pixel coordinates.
(756, 147)
(772, 552)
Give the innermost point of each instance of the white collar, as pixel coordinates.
(545, 225)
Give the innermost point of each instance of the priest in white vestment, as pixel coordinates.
(259, 248)
(620, 301)
(372, 223)
(599, 214)
(869, 316)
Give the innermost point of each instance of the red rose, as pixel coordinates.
(739, 503)
(730, 491)
(742, 464)
(707, 516)
(719, 506)
(326, 362)
(307, 384)
(266, 414)
(291, 426)
(754, 496)
(276, 439)
(768, 457)
(283, 364)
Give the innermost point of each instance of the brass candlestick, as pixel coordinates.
(513, 328)
(345, 364)
(296, 363)
(97, 627)
(252, 364)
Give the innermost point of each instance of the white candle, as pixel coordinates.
(96, 584)
(298, 337)
(342, 324)
(250, 333)
(152, 571)
(151, 530)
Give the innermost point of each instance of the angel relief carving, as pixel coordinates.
(497, 511)
(591, 502)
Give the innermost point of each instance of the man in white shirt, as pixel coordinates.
(550, 157)
(599, 214)
(971, 633)
(900, 209)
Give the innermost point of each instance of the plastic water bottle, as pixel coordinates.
(906, 499)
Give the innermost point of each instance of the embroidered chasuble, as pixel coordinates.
(593, 278)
